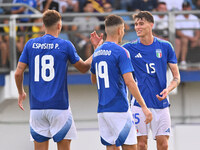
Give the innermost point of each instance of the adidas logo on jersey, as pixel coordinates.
(138, 55)
(168, 130)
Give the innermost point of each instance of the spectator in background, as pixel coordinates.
(126, 4)
(129, 36)
(188, 32)
(70, 6)
(191, 4)
(107, 7)
(197, 6)
(160, 28)
(85, 25)
(48, 4)
(23, 10)
(173, 4)
(36, 29)
(62, 6)
(6, 9)
(140, 5)
(196, 3)
(1, 9)
(58, 5)
(5, 50)
(98, 4)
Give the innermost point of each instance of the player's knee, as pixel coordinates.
(164, 146)
(142, 146)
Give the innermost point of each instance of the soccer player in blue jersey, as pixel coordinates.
(111, 70)
(46, 57)
(150, 57)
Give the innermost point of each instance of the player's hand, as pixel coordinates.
(163, 94)
(21, 98)
(147, 114)
(95, 39)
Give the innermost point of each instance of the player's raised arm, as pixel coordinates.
(130, 83)
(83, 66)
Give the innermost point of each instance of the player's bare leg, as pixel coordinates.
(64, 144)
(162, 142)
(129, 147)
(41, 146)
(112, 147)
(142, 143)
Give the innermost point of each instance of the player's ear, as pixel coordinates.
(120, 28)
(151, 25)
(119, 31)
(59, 25)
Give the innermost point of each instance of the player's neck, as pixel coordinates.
(53, 33)
(112, 39)
(147, 40)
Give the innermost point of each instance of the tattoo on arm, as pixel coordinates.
(176, 80)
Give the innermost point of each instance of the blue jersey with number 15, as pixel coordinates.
(47, 58)
(150, 65)
(110, 62)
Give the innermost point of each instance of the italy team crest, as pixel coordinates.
(158, 53)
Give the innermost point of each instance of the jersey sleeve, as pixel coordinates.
(73, 56)
(171, 54)
(24, 56)
(125, 62)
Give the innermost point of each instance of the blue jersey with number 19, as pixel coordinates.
(150, 65)
(47, 58)
(110, 62)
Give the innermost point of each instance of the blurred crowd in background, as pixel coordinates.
(79, 33)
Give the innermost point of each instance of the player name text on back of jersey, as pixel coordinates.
(45, 45)
(102, 52)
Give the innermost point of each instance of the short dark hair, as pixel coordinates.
(86, 3)
(51, 17)
(161, 3)
(144, 14)
(185, 4)
(113, 20)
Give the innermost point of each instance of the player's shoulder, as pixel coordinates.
(131, 43)
(119, 48)
(124, 51)
(63, 43)
(163, 42)
(29, 42)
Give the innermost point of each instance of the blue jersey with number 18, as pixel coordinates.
(47, 58)
(150, 65)
(110, 62)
